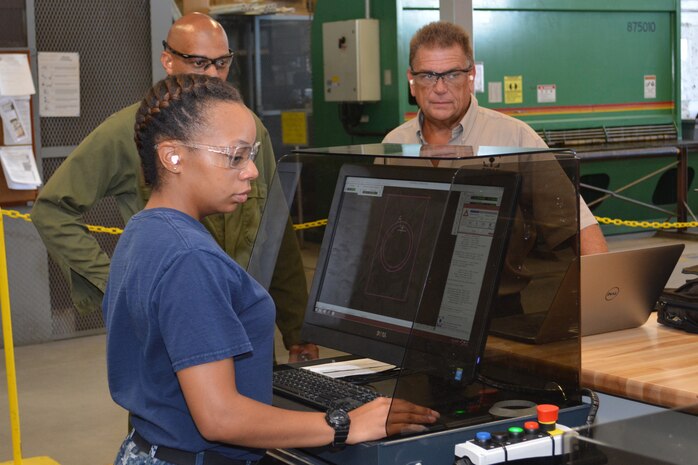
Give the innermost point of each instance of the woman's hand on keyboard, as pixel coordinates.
(385, 416)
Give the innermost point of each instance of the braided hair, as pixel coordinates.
(174, 109)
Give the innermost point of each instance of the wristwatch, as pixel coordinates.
(339, 420)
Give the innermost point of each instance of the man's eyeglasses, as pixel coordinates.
(199, 62)
(236, 156)
(452, 77)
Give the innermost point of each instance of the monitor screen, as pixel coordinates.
(385, 225)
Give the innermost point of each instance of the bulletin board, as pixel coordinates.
(11, 197)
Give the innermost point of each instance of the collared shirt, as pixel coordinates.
(482, 126)
(479, 126)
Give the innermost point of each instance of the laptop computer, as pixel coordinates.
(619, 289)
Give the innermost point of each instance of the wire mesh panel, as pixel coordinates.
(113, 40)
(28, 281)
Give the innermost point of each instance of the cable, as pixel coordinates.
(591, 416)
(551, 388)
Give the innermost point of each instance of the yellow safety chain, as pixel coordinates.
(99, 229)
(104, 229)
(309, 225)
(16, 214)
(319, 223)
(648, 224)
(117, 231)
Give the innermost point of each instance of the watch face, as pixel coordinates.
(338, 418)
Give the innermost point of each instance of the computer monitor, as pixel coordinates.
(396, 233)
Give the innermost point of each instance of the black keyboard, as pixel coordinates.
(320, 391)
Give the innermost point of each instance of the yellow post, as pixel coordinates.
(10, 362)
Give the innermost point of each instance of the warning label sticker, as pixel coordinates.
(650, 86)
(546, 93)
(513, 89)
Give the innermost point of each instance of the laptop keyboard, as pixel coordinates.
(320, 391)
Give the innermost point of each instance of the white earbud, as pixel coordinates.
(471, 77)
(411, 82)
(174, 159)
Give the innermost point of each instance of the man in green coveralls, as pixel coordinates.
(106, 163)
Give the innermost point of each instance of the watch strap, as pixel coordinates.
(339, 420)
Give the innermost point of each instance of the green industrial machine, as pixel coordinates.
(601, 77)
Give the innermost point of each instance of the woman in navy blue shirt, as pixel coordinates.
(189, 332)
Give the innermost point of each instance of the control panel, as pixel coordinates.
(542, 438)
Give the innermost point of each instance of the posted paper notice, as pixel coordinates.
(15, 115)
(59, 84)
(19, 167)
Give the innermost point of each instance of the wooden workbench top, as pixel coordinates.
(653, 364)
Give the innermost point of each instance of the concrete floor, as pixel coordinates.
(67, 414)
